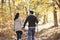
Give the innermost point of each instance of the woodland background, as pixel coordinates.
(47, 12)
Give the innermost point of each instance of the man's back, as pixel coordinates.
(31, 19)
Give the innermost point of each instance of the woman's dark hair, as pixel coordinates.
(16, 16)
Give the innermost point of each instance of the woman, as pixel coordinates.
(18, 24)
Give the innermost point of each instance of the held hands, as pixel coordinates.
(36, 24)
(23, 29)
(13, 29)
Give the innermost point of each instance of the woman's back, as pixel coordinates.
(18, 24)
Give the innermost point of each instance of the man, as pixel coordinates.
(32, 21)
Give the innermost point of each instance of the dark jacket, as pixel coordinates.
(32, 20)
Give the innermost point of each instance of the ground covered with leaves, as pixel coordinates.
(45, 34)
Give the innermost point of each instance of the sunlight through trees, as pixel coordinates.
(47, 11)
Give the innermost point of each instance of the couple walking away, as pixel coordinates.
(18, 24)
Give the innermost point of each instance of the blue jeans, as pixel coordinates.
(19, 34)
(31, 32)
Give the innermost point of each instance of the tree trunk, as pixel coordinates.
(10, 6)
(14, 8)
(55, 17)
(45, 19)
(55, 12)
(14, 5)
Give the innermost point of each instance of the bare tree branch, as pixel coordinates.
(58, 3)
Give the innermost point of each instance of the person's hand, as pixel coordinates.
(24, 29)
(36, 24)
(13, 29)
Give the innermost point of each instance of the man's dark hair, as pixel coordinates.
(31, 12)
(16, 16)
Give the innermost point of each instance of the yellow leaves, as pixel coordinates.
(0, 18)
(34, 4)
(44, 1)
(23, 15)
(18, 0)
(33, 0)
(45, 8)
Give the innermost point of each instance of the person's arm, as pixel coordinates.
(21, 22)
(25, 22)
(36, 20)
